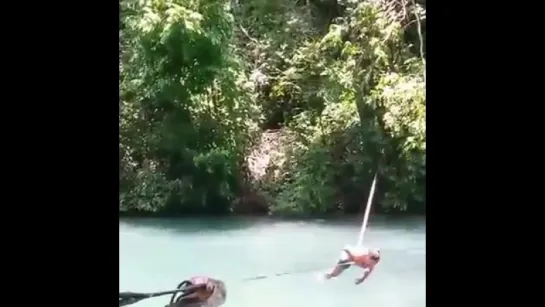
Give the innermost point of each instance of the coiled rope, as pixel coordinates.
(185, 288)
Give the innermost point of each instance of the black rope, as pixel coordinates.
(287, 273)
(185, 287)
(282, 274)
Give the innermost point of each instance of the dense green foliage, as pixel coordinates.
(342, 85)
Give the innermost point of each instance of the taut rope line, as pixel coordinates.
(367, 210)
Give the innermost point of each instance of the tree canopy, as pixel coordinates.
(271, 106)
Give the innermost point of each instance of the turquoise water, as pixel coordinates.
(156, 255)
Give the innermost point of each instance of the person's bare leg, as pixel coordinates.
(337, 270)
(341, 266)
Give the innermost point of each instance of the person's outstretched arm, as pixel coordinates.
(365, 275)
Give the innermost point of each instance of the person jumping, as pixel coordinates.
(361, 256)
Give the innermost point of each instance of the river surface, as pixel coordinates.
(157, 254)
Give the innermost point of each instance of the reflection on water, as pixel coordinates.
(158, 254)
